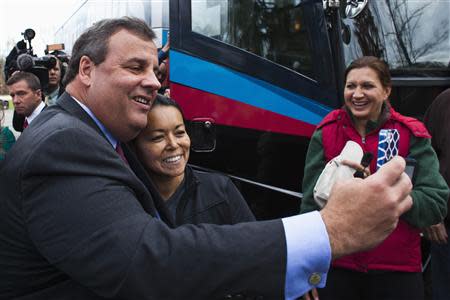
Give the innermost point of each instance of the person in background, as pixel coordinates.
(163, 77)
(77, 220)
(25, 90)
(7, 138)
(437, 121)
(54, 88)
(393, 269)
(163, 53)
(163, 70)
(191, 196)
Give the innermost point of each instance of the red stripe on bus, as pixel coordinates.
(225, 111)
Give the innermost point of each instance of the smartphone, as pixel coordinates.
(365, 162)
(410, 167)
(387, 145)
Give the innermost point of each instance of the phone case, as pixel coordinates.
(387, 145)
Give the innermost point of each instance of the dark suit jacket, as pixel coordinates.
(18, 121)
(436, 120)
(77, 223)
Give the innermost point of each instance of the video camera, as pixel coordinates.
(58, 51)
(22, 58)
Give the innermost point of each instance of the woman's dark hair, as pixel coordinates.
(374, 63)
(164, 101)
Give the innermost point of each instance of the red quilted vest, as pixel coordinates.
(401, 250)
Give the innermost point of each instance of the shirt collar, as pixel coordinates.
(105, 131)
(54, 93)
(35, 112)
(51, 98)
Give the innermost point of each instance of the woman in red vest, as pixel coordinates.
(393, 269)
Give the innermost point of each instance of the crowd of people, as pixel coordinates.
(98, 200)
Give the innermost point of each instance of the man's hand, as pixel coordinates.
(360, 214)
(437, 233)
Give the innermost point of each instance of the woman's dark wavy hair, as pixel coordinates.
(374, 63)
(165, 101)
(95, 40)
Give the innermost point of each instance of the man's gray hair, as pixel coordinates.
(95, 40)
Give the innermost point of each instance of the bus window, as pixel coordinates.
(411, 36)
(272, 29)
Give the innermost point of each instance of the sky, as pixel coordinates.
(44, 16)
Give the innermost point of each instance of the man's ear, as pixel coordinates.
(85, 70)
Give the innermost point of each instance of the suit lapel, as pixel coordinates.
(140, 172)
(72, 107)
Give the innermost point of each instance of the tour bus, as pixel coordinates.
(154, 12)
(254, 77)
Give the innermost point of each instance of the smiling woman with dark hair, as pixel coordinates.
(393, 269)
(191, 196)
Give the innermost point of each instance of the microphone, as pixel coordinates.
(25, 62)
(365, 162)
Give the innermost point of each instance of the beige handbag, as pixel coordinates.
(335, 171)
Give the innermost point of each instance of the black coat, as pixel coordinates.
(437, 121)
(211, 198)
(17, 122)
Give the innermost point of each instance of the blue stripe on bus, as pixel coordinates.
(212, 78)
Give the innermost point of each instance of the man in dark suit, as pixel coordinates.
(76, 222)
(26, 94)
(436, 120)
